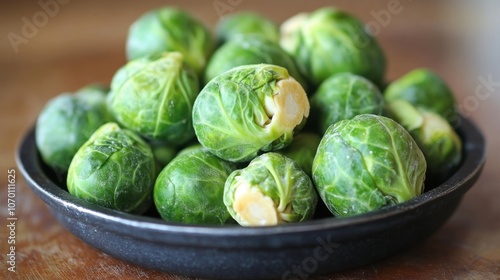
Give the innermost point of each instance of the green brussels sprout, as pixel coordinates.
(329, 41)
(190, 188)
(343, 96)
(115, 168)
(66, 122)
(170, 29)
(154, 96)
(271, 190)
(441, 145)
(424, 88)
(250, 50)
(366, 163)
(246, 23)
(190, 148)
(302, 150)
(163, 154)
(248, 110)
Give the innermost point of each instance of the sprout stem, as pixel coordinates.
(292, 105)
(254, 208)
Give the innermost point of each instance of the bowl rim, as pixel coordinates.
(150, 228)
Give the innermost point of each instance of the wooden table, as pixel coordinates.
(83, 42)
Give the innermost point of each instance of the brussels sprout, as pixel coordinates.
(250, 50)
(436, 138)
(424, 88)
(190, 148)
(329, 41)
(302, 150)
(190, 188)
(366, 163)
(115, 168)
(153, 96)
(248, 110)
(246, 23)
(163, 154)
(343, 96)
(170, 29)
(66, 122)
(271, 190)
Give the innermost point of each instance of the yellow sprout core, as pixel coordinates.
(253, 207)
(291, 104)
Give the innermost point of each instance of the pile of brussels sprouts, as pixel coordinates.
(253, 124)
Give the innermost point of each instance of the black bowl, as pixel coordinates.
(292, 251)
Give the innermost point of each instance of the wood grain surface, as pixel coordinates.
(82, 42)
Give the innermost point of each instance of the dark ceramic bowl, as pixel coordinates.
(323, 245)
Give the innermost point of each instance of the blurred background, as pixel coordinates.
(83, 42)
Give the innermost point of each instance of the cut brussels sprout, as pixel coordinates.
(250, 50)
(271, 190)
(248, 110)
(436, 138)
(424, 88)
(66, 122)
(115, 168)
(302, 150)
(366, 163)
(154, 96)
(170, 29)
(246, 23)
(343, 96)
(190, 188)
(329, 41)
